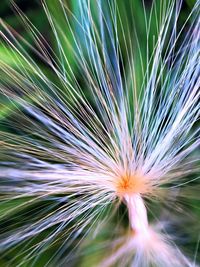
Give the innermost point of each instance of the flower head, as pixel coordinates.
(117, 124)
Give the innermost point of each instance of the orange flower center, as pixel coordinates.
(132, 184)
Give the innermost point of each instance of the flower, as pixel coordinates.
(90, 136)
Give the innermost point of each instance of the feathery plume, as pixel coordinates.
(101, 121)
